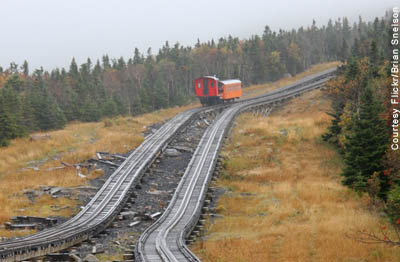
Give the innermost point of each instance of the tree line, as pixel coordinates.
(362, 119)
(45, 100)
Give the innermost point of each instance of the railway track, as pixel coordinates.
(105, 205)
(165, 239)
(110, 199)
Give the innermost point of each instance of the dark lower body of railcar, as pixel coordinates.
(214, 100)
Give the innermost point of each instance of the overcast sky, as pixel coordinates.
(49, 33)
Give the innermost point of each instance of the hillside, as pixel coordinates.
(283, 197)
(26, 165)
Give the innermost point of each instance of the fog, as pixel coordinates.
(49, 33)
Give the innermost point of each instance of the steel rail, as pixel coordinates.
(164, 240)
(105, 203)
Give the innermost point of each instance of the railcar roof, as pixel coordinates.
(212, 77)
(231, 81)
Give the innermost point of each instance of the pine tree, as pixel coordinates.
(48, 115)
(73, 69)
(25, 68)
(11, 103)
(122, 108)
(332, 136)
(8, 127)
(137, 59)
(110, 108)
(15, 83)
(344, 51)
(90, 111)
(46, 111)
(367, 145)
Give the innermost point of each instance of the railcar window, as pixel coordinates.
(220, 87)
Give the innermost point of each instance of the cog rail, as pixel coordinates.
(165, 239)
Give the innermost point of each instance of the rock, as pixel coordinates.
(99, 248)
(156, 192)
(155, 215)
(184, 149)
(86, 188)
(134, 223)
(217, 216)
(55, 168)
(172, 152)
(283, 132)
(90, 258)
(285, 75)
(55, 190)
(128, 214)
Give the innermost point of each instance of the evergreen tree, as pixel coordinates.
(367, 145)
(13, 69)
(344, 51)
(15, 83)
(48, 115)
(11, 103)
(106, 62)
(8, 123)
(334, 129)
(73, 69)
(120, 105)
(6, 127)
(25, 68)
(110, 108)
(137, 59)
(46, 111)
(90, 111)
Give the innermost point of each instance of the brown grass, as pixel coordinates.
(74, 144)
(110, 257)
(295, 208)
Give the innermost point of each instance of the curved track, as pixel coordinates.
(164, 240)
(108, 201)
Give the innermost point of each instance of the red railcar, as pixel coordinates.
(210, 90)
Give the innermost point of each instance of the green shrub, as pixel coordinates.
(393, 204)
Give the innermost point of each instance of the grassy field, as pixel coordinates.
(284, 200)
(75, 144)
